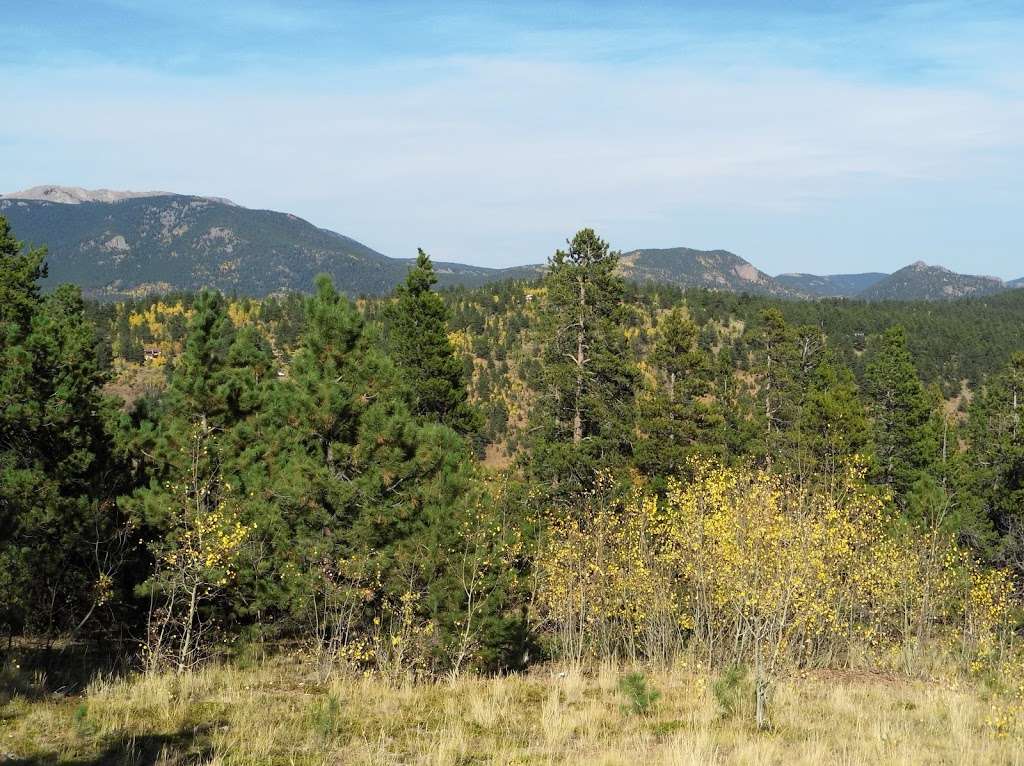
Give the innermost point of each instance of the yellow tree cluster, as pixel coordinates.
(751, 567)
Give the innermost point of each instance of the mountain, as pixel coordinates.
(712, 269)
(118, 244)
(74, 195)
(831, 285)
(919, 281)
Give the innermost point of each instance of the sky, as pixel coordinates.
(821, 137)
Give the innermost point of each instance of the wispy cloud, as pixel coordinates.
(494, 156)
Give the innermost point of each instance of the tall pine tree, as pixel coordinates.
(416, 328)
(995, 476)
(587, 386)
(62, 538)
(678, 417)
(904, 433)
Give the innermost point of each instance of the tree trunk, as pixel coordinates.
(760, 690)
(577, 419)
(186, 642)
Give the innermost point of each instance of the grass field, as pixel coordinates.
(278, 712)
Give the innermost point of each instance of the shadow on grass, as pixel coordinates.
(35, 670)
(189, 746)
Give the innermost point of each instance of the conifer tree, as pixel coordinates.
(588, 381)
(20, 273)
(904, 434)
(677, 417)
(779, 365)
(373, 501)
(61, 535)
(994, 479)
(833, 425)
(205, 464)
(417, 325)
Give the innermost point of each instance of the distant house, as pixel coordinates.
(152, 354)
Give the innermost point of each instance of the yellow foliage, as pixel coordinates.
(753, 566)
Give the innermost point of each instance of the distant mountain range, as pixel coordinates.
(713, 269)
(919, 281)
(119, 244)
(116, 244)
(831, 286)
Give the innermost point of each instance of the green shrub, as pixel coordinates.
(80, 718)
(640, 699)
(326, 718)
(728, 689)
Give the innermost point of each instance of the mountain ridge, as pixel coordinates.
(117, 244)
(830, 285)
(710, 269)
(921, 281)
(76, 195)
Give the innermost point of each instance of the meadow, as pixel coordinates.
(280, 711)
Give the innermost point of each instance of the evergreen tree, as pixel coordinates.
(417, 339)
(205, 463)
(20, 272)
(127, 345)
(62, 538)
(994, 481)
(904, 434)
(777, 368)
(372, 501)
(588, 381)
(677, 417)
(833, 425)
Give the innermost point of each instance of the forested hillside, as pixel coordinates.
(118, 245)
(484, 479)
(831, 285)
(150, 244)
(919, 281)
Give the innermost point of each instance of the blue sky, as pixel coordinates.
(809, 136)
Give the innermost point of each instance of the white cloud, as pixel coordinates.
(496, 159)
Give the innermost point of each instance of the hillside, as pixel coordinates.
(831, 285)
(919, 281)
(711, 269)
(118, 244)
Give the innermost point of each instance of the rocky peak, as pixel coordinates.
(74, 195)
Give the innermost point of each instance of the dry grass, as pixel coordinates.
(278, 713)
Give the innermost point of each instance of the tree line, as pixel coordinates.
(311, 470)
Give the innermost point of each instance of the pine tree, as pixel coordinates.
(678, 418)
(205, 461)
(372, 501)
(994, 476)
(782, 359)
(833, 427)
(588, 381)
(416, 328)
(904, 434)
(61, 535)
(20, 273)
